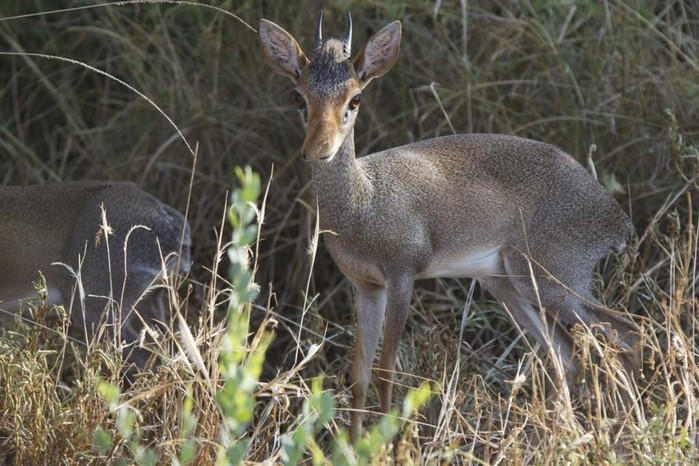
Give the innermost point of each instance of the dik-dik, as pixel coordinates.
(57, 229)
(520, 216)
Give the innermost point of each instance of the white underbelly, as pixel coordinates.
(476, 263)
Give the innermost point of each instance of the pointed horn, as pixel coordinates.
(319, 32)
(347, 43)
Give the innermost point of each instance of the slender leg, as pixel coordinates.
(399, 292)
(568, 298)
(550, 335)
(371, 307)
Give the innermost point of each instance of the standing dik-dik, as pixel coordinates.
(510, 212)
(57, 229)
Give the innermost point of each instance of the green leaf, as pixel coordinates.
(102, 440)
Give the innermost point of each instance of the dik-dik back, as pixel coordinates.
(522, 217)
(468, 192)
(57, 229)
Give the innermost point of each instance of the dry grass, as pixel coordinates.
(572, 74)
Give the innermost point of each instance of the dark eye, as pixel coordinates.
(355, 101)
(299, 100)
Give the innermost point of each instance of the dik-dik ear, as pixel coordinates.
(379, 54)
(282, 52)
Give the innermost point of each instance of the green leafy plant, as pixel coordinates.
(320, 408)
(240, 363)
(125, 428)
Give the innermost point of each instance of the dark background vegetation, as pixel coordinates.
(574, 74)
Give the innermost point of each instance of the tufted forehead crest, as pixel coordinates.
(329, 71)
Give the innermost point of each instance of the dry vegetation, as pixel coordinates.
(619, 75)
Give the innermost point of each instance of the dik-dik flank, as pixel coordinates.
(510, 212)
(54, 227)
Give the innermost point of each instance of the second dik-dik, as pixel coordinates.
(520, 216)
(57, 229)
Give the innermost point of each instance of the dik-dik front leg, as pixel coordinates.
(371, 308)
(399, 293)
(372, 304)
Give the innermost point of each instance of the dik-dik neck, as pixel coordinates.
(342, 187)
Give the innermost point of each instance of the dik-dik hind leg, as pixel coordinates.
(614, 325)
(564, 291)
(549, 334)
(371, 308)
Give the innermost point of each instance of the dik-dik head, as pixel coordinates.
(329, 85)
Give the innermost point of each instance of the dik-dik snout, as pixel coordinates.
(328, 124)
